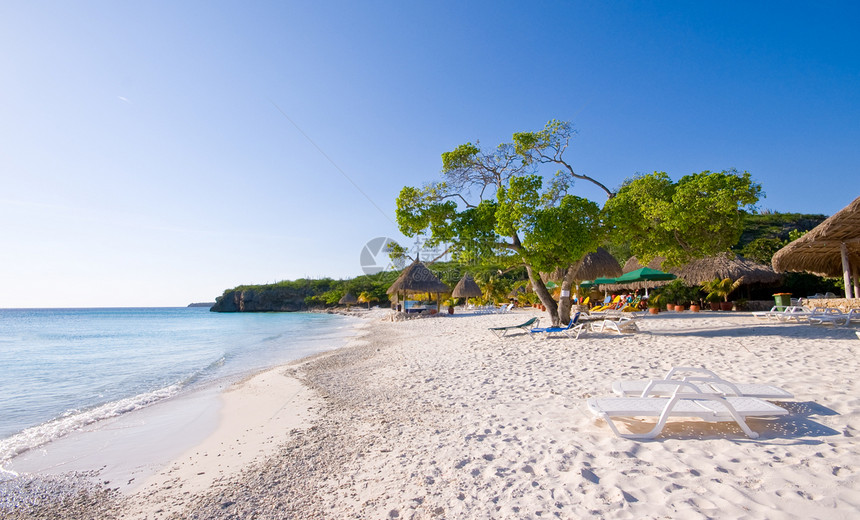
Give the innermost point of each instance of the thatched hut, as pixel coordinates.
(726, 265)
(633, 264)
(418, 279)
(831, 249)
(599, 264)
(466, 288)
(348, 299)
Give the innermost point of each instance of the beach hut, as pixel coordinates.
(466, 288)
(599, 264)
(418, 279)
(831, 249)
(726, 265)
(348, 299)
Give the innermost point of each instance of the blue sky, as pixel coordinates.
(156, 153)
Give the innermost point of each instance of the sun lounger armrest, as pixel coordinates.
(699, 370)
(680, 386)
(704, 379)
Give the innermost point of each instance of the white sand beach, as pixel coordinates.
(436, 418)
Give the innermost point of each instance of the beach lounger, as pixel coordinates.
(704, 381)
(572, 327)
(827, 315)
(772, 314)
(501, 331)
(621, 324)
(711, 408)
(796, 313)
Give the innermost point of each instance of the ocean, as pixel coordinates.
(62, 369)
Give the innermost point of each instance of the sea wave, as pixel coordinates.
(74, 420)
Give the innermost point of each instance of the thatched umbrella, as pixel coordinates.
(831, 249)
(466, 288)
(348, 299)
(599, 264)
(633, 264)
(418, 279)
(726, 265)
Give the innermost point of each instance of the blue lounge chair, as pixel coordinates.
(501, 331)
(572, 327)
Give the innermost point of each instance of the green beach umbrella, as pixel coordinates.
(603, 281)
(645, 274)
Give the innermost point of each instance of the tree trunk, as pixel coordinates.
(564, 304)
(544, 295)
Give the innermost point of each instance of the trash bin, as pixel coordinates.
(782, 299)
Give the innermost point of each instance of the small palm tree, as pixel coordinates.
(366, 297)
(717, 288)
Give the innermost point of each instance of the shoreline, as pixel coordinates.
(436, 418)
(160, 444)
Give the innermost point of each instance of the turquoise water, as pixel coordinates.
(61, 369)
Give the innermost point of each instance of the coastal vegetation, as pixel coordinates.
(504, 221)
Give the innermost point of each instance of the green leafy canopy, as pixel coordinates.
(700, 215)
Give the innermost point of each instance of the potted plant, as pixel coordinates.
(450, 303)
(672, 293)
(693, 297)
(714, 301)
(722, 289)
(654, 304)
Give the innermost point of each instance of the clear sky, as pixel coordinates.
(157, 153)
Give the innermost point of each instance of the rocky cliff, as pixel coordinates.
(278, 299)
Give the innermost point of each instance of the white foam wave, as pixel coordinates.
(75, 420)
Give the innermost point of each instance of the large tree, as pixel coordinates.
(491, 204)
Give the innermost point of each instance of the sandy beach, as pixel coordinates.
(436, 418)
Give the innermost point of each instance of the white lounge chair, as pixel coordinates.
(796, 313)
(710, 408)
(621, 324)
(830, 315)
(704, 381)
(771, 314)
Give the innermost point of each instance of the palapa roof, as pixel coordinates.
(347, 299)
(466, 288)
(820, 251)
(599, 264)
(417, 279)
(633, 264)
(726, 265)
